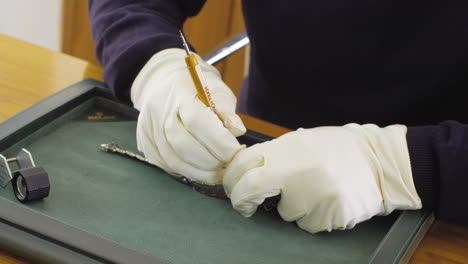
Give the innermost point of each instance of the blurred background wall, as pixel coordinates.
(62, 25)
(34, 21)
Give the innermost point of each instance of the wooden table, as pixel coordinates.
(29, 73)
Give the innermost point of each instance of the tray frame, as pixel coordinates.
(45, 240)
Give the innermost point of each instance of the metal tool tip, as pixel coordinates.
(184, 43)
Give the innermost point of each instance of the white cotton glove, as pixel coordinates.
(175, 130)
(328, 177)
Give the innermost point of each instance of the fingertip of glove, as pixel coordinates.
(245, 209)
(235, 125)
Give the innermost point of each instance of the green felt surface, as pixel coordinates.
(141, 207)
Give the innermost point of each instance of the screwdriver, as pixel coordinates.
(198, 77)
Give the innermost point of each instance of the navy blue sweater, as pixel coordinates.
(317, 63)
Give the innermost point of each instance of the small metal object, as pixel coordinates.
(30, 182)
(5, 172)
(184, 43)
(116, 148)
(212, 190)
(227, 49)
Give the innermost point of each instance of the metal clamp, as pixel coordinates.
(30, 182)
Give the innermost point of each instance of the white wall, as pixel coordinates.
(35, 21)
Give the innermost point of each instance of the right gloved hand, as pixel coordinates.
(328, 177)
(175, 130)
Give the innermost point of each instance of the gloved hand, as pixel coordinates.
(328, 177)
(175, 130)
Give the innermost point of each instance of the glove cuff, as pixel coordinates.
(389, 151)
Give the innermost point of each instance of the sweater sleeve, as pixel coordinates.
(439, 160)
(127, 33)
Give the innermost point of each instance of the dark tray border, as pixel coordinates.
(46, 240)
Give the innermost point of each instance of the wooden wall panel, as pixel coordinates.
(233, 73)
(210, 27)
(76, 32)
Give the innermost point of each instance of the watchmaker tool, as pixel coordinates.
(30, 182)
(198, 77)
(212, 190)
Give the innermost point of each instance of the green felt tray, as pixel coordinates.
(104, 207)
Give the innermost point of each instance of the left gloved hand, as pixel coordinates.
(328, 177)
